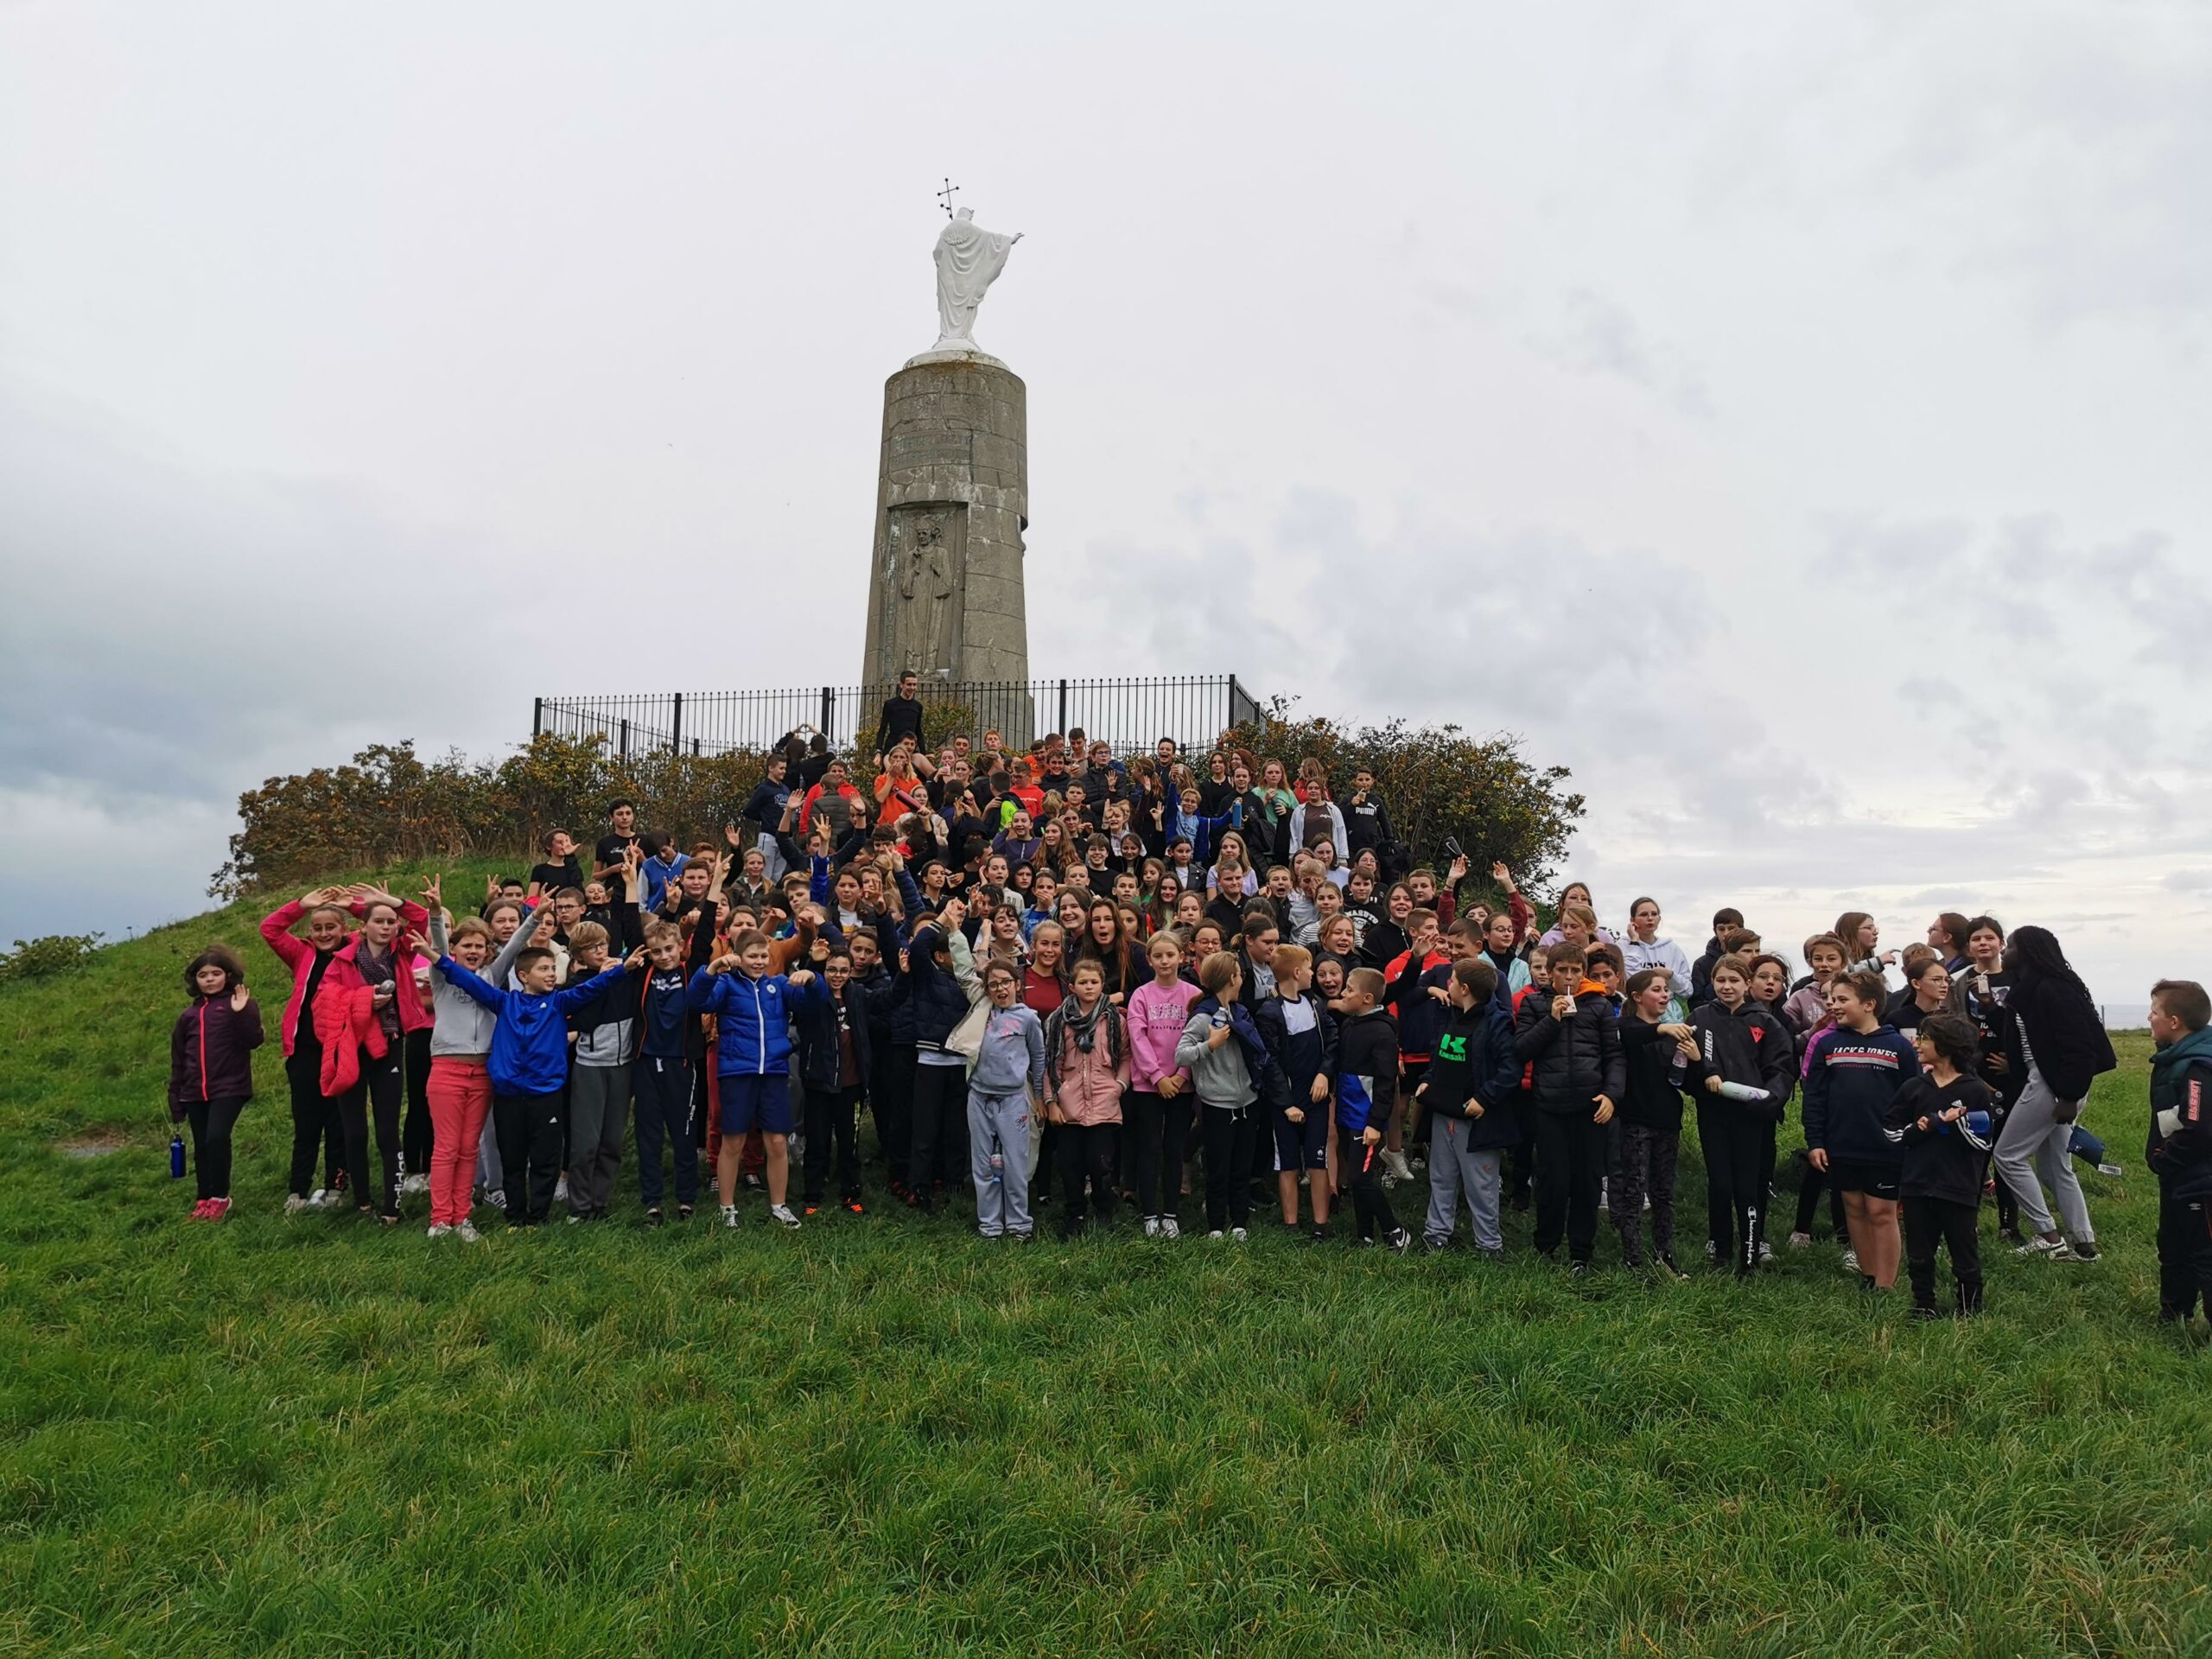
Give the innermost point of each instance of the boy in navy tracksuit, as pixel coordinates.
(1367, 1088)
(752, 1057)
(1471, 1078)
(663, 1070)
(834, 1060)
(1301, 1034)
(529, 1066)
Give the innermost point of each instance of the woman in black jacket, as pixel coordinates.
(2055, 1047)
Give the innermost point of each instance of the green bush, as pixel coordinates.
(56, 953)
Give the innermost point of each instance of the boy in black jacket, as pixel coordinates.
(664, 1089)
(2180, 1147)
(1301, 1034)
(1942, 1118)
(1468, 1089)
(1367, 1088)
(1739, 1043)
(835, 1061)
(1572, 1044)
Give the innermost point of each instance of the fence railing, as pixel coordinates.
(1130, 715)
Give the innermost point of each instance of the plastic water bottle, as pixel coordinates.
(1679, 1070)
(176, 1157)
(998, 1168)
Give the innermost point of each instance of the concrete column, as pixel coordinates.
(951, 503)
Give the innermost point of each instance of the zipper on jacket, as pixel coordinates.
(203, 1050)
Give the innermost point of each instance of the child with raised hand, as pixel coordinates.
(1367, 1090)
(1746, 1070)
(528, 1067)
(1086, 1067)
(211, 1070)
(1942, 1120)
(1301, 1034)
(1468, 1092)
(1158, 1111)
(605, 1031)
(1570, 1037)
(1852, 1073)
(1230, 1069)
(752, 1050)
(459, 1087)
(315, 1128)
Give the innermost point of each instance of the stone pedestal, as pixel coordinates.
(951, 501)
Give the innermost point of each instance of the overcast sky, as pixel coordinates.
(1793, 419)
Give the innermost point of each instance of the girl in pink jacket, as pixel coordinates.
(1158, 1105)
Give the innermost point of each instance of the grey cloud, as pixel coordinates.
(1598, 335)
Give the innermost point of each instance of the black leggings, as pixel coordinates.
(1370, 1206)
(315, 1121)
(1735, 1144)
(1158, 1128)
(1809, 1204)
(832, 1123)
(1086, 1149)
(416, 1139)
(938, 1149)
(211, 1122)
(1570, 1161)
(1228, 1135)
(378, 1091)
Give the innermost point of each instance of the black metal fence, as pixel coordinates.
(1131, 714)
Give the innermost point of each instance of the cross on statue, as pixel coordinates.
(944, 197)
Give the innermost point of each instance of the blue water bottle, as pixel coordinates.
(176, 1157)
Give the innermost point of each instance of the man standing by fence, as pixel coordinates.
(901, 716)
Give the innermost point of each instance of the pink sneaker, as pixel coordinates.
(218, 1208)
(200, 1210)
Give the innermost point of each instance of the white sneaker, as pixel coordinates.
(467, 1234)
(416, 1183)
(783, 1212)
(497, 1198)
(1237, 1235)
(1849, 1260)
(1395, 1163)
(319, 1199)
(1799, 1241)
(295, 1205)
(2054, 1248)
(1217, 1233)
(438, 1230)
(561, 1191)
(1766, 1251)
(1152, 1226)
(729, 1215)
(1170, 1228)
(1712, 1251)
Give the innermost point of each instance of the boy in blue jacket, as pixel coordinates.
(529, 1066)
(752, 1055)
(1852, 1073)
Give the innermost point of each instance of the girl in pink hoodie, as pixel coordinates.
(1157, 1107)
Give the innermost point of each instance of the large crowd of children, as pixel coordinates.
(1154, 979)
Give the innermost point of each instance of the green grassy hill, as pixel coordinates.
(312, 1436)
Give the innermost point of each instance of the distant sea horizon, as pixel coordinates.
(2127, 1016)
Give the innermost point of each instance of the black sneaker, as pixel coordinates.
(1577, 1269)
(653, 1216)
(683, 1212)
(1402, 1241)
(1928, 1310)
(1319, 1235)
(2084, 1250)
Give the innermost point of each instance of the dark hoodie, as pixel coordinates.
(1945, 1161)
(2181, 1080)
(1475, 1061)
(1746, 1044)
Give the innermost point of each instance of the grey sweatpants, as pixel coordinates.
(599, 1106)
(1456, 1170)
(999, 1126)
(2034, 1143)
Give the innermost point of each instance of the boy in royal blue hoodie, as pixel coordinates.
(752, 1013)
(528, 1067)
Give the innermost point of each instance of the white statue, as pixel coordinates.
(969, 260)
